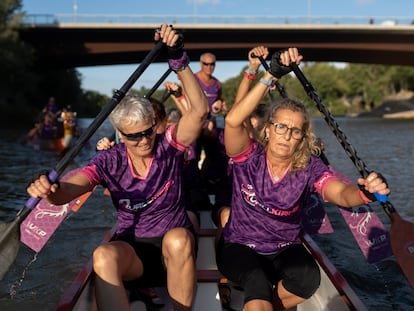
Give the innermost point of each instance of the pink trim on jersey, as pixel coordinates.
(172, 138)
(245, 154)
(321, 184)
(91, 174)
(279, 178)
(131, 167)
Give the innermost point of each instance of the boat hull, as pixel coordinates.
(334, 293)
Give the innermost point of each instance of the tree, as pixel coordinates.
(91, 104)
(17, 84)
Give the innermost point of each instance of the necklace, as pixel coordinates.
(139, 166)
(277, 173)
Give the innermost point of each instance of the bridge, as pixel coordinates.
(68, 41)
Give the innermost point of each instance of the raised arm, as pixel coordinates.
(250, 73)
(191, 123)
(236, 133)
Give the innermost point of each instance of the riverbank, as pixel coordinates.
(398, 106)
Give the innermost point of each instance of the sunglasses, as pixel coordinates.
(139, 135)
(209, 64)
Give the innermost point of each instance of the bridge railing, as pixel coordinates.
(50, 19)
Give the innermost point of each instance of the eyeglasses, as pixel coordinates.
(281, 129)
(139, 135)
(209, 64)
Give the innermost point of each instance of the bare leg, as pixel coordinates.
(194, 220)
(179, 256)
(258, 305)
(285, 299)
(223, 215)
(110, 297)
(114, 262)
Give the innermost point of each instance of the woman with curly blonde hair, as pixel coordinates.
(308, 145)
(260, 247)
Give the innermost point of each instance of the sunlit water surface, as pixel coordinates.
(385, 145)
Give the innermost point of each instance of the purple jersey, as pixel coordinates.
(212, 91)
(147, 206)
(265, 213)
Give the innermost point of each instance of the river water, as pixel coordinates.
(38, 282)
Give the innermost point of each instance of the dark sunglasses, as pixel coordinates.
(209, 64)
(139, 135)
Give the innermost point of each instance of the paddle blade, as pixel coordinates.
(9, 245)
(402, 243)
(44, 220)
(315, 219)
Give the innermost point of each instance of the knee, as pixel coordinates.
(304, 282)
(257, 285)
(101, 258)
(112, 254)
(178, 242)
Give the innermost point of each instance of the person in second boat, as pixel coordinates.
(260, 247)
(155, 244)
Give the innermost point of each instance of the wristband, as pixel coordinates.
(363, 197)
(251, 72)
(249, 76)
(179, 64)
(268, 83)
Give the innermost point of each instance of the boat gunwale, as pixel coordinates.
(345, 290)
(72, 294)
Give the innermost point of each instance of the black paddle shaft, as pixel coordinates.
(279, 87)
(401, 233)
(156, 85)
(9, 233)
(342, 139)
(401, 230)
(116, 98)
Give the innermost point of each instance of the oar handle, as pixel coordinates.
(165, 96)
(342, 139)
(279, 87)
(32, 202)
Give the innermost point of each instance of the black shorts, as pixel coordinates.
(259, 274)
(149, 250)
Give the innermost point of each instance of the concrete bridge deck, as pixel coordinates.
(77, 44)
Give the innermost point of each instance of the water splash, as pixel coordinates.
(16, 285)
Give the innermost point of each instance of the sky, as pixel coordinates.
(106, 78)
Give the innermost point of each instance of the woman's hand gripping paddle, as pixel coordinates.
(9, 232)
(402, 231)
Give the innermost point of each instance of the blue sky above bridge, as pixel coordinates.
(225, 7)
(106, 78)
